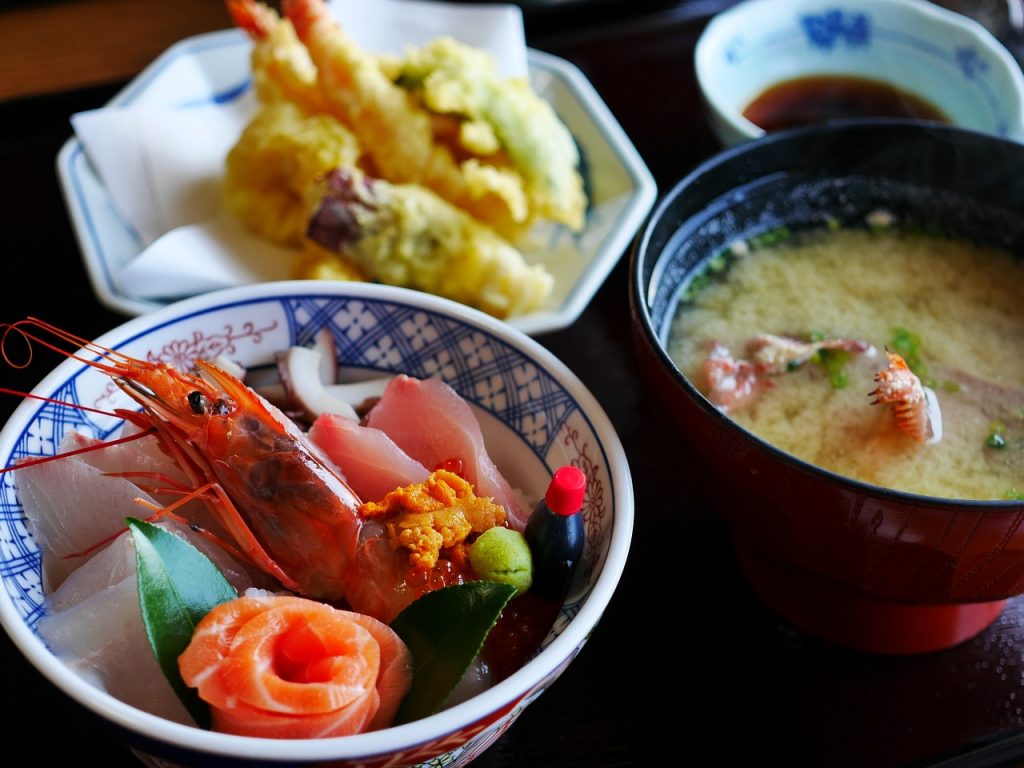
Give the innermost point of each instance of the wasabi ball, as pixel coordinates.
(502, 555)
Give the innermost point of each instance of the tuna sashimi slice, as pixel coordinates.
(371, 463)
(433, 424)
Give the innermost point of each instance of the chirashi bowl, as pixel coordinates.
(535, 415)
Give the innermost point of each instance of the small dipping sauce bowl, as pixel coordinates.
(811, 61)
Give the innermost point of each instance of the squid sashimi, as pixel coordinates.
(433, 424)
(93, 623)
(287, 667)
(371, 463)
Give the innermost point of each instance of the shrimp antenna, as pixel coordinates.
(113, 357)
(21, 464)
(55, 401)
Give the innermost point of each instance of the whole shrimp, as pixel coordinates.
(281, 67)
(285, 508)
(398, 134)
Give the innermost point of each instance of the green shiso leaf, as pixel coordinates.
(178, 586)
(445, 630)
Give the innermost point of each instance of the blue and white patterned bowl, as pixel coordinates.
(946, 58)
(535, 414)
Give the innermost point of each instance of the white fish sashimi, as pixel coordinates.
(433, 424)
(116, 561)
(149, 466)
(102, 639)
(71, 506)
(94, 625)
(141, 455)
(371, 463)
(107, 568)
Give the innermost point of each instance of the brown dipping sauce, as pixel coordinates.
(817, 98)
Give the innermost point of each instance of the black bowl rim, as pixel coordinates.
(640, 255)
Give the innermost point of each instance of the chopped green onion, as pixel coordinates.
(908, 345)
(951, 386)
(996, 434)
(1014, 495)
(698, 283)
(770, 237)
(833, 361)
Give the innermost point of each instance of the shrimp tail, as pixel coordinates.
(915, 407)
(309, 17)
(256, 19)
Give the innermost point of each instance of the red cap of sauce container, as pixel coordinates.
(566, 491)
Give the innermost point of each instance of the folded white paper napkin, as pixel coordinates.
(163, 165)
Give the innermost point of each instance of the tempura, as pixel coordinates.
(442, 163)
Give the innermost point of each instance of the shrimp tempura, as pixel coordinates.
(414, 136)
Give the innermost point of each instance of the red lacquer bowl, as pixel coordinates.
(862, 566)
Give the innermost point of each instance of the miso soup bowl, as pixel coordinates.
(856, 564)
(535, 415)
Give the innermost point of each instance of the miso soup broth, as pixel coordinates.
(954, 310)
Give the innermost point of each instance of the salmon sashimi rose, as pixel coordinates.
(286, 667)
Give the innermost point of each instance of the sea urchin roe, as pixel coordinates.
(436, 514)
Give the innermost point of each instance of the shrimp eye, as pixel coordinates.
(197, 402)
